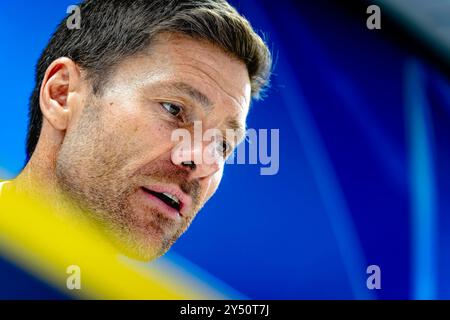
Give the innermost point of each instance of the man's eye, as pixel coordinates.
(223, 147)
(173, 109)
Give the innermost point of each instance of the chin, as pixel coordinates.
(143, 246)
(142, 254)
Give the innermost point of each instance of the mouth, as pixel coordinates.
(170, 199)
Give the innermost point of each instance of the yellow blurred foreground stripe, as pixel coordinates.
(46, 244)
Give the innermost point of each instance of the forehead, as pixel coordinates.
(174, 58)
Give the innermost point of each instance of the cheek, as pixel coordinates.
(137, 133)
(149, 138)
(214, 183)
(137, 124)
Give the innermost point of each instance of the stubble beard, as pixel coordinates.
(90, 176)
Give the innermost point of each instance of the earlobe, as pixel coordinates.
(60, 81)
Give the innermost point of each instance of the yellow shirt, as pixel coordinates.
(2, 184)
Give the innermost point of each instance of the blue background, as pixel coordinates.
(364, 158)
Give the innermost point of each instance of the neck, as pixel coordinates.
(38, 179)
(40, 182)
(39, 175)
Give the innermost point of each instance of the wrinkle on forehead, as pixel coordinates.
(239, 100)
(226, 71)
(175, 58)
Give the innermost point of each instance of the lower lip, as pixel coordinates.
(161, 206)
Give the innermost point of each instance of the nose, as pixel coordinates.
(200, 159)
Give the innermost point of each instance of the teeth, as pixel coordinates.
(171, 196)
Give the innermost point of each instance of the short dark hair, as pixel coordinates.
(112, 30)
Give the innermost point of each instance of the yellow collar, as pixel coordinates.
(2, 184)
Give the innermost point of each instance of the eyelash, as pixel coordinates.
(178, 115)
(225, 146)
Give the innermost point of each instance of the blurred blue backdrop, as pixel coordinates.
(364, 158)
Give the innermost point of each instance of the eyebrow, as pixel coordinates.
(236, 125)
(193, 93)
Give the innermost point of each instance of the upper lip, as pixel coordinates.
(184, 199)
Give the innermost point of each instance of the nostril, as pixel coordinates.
(189, 164)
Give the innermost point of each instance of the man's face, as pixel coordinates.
(117, 159)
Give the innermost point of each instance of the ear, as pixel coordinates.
(61, 82)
